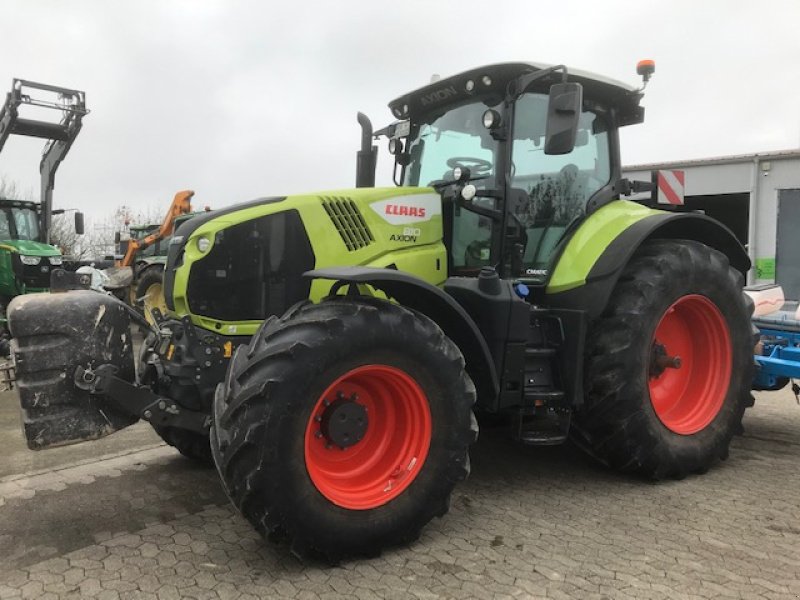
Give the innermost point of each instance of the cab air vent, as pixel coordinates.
(348, 222)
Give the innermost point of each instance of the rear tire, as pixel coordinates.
(329, 502)
(642, 415)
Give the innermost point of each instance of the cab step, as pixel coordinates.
(542, 426)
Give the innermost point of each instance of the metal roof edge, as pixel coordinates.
(717, 160)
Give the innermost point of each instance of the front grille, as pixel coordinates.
(253, 270)
(348, 221)
(36, 276)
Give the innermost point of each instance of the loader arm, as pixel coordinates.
(181, 205)
(60, 135)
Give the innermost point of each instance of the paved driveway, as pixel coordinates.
(130, 518)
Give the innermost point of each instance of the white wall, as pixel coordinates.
(705, 180)
(784, 173)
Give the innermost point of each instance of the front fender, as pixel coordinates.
(595, 256)
(419, 295)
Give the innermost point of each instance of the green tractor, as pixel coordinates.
(148, 267)
(143, 250)
(26, 256)
(335, 347)
(25, 259)
(148, 270)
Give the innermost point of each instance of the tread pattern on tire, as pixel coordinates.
(617, 424)
(261, 469)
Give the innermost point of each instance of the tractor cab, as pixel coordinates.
(25, 259)
(520, 152)
(19, 220)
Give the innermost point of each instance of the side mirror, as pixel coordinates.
(563, 114)
(79, 229)
(117, 237)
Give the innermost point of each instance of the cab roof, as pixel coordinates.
(614, 94)
(14, 203)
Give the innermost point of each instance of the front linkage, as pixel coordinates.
(139, 400)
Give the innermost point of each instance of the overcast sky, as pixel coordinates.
(242, 99)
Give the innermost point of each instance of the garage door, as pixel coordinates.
(787, 259)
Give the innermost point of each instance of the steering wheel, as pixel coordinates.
(480, 166)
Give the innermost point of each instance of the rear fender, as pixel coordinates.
(587, 273)
(53, 336)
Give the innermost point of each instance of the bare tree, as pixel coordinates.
(98, 241)
(64, 237)
(126, 216)
(9, 190)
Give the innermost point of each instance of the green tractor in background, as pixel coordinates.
(335, 346)
(25, 259)
(148, 270)
(148, 266)
(26, 256)
(142, 250)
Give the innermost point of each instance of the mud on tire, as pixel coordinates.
(265, 409)
(619, 424)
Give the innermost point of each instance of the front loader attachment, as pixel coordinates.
(58, 339)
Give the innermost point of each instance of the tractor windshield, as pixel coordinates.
(558, 187)
(443, 141)
(18, 224)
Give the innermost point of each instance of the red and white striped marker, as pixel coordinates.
(671, 187)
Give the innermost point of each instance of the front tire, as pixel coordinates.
(397, 386)
(669, 363)
(191, 444)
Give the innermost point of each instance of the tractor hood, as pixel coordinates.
(29, 248)
(362, 196)
(262, 248)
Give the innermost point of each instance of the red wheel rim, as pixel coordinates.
(687, 394)
(395, 443)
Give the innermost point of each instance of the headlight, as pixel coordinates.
(30, 260)
(56, 260)
(203, 244)
(491, 119)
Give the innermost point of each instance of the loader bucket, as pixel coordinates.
(53, 335)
